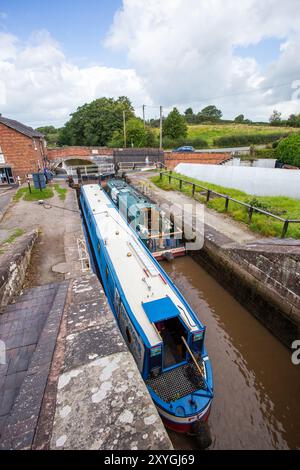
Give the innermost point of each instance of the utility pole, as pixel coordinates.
(124, 126)
(144, 115)
(161, 126)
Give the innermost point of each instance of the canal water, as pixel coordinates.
(257, 388)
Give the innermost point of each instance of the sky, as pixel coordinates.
(58, 55)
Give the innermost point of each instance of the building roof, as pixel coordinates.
(19, 127)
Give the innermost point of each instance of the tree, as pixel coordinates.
(275, 118)
(190, 117)
(293, 120)
(189, 112)
(175, 125)
(51, 135)
(210, 113)
(288, 150)
(137, 135)
(94, 123)
(239, 119)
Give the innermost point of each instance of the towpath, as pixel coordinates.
(237, 232)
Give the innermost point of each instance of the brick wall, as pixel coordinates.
(19, 151)
(77, 152)
(174, 158)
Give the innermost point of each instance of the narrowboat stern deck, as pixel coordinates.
(177, 383)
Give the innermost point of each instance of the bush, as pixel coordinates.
(288, 150)
(196, 142)
(247, 139)
(265, 153)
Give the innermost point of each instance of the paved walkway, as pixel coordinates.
(52, 225)
(6, 196)
(235, 231)
(29, 330)
(70, 381)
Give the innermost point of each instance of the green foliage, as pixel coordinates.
(210, 113)
(175, 125)
(51, 135)
(265, 153)
(137, 135)
(94, 123)
(239, 119)
(246, 139)
(293, 120)
(35, 195)
(174, 143)
(284, 206)
(62, 192)
(288, 150)
(18, 232)
(275, 118)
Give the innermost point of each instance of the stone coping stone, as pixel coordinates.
(104, 405)
(102, 401)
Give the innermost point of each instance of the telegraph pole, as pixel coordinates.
(161, 126)
(124, 126)
(144, 115)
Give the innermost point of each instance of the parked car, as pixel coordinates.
(185, 148)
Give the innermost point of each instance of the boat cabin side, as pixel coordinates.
(174, 337)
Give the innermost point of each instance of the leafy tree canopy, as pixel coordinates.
(175, 125)
(288, 150)
(293, 120)
(240, 118)
(275, 117)
(51, 134)
(136, 135)
(210, 113)
(94, 123)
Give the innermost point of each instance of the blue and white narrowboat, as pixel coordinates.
(162, 332)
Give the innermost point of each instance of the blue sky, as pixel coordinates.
(157, 52)
(265, 52)
(78, 25)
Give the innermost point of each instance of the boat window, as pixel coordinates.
(98, 247)
(106, 272)
(171, 332)
(128, 335)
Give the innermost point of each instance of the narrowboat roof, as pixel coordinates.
(140, 278)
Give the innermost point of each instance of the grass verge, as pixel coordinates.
(17, 233)
(62, 192)
(285, 207)
(35, 195)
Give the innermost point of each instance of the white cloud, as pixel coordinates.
(184, 51)
(181, 52)
(38, 85)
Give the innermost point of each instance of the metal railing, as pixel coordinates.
(251, 208)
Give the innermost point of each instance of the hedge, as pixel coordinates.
(194, 142)
(247, 139)
(288, 150)
(265, 153)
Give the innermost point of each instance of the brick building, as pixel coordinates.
(22, 150)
